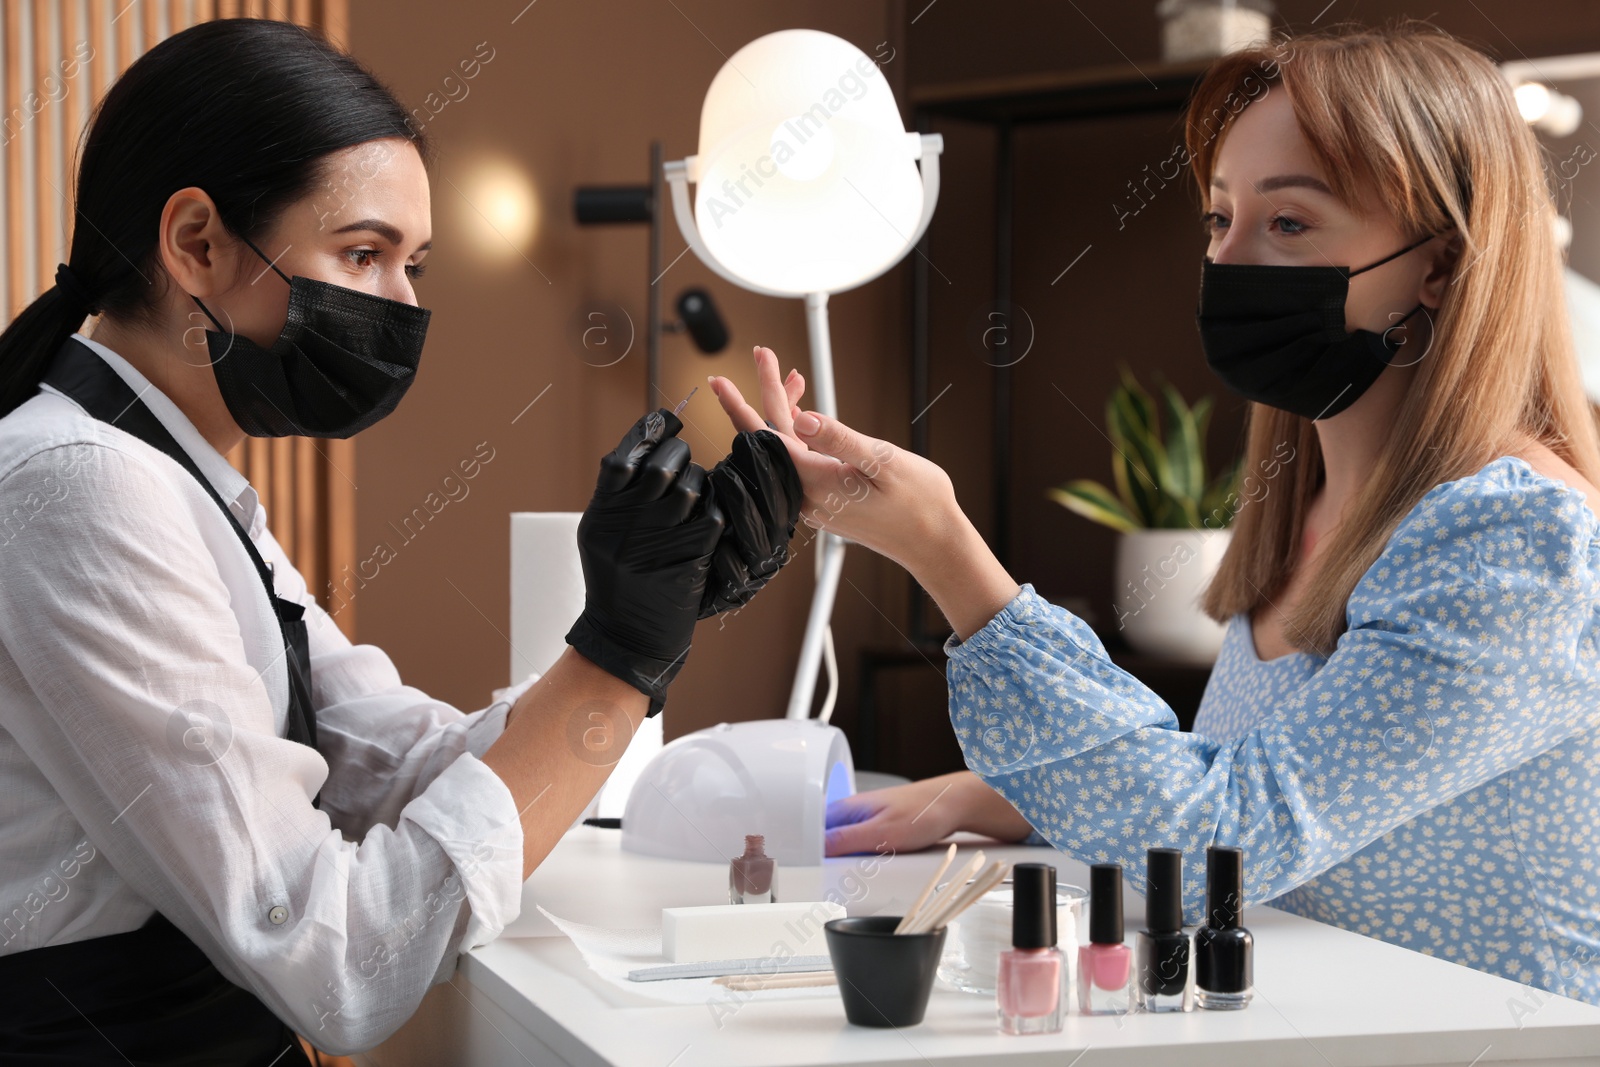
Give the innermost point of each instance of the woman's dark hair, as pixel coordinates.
(245, 109)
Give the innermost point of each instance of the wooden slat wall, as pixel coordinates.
(307, 486)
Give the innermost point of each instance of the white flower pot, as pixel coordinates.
(1160, 575)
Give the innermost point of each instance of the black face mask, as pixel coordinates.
(1276, 335)
(342, 362)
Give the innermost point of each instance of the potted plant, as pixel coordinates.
(1173, 520)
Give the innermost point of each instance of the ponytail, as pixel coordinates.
(31, 340)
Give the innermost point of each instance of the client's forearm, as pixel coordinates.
(963, 576)
(986, 812)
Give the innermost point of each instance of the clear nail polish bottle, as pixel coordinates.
(750, 875)
(1031, 983)
(1105, 964)
(1223, 947)
(1163, 969)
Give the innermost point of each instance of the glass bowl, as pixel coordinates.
(979, 934)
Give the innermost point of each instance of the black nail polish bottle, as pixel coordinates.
(1222, 947)
(1162, 956)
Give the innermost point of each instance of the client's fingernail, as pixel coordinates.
(807, 423)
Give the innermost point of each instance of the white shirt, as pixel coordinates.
(143, 700)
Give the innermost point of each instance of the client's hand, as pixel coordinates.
(918, 814)
(894, 502)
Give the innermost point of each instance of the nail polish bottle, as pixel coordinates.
(1222, 947)
(750, 875)
(1162, 957)
(1104, 964)
(1031, 983)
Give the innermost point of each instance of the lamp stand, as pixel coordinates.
(830, 547)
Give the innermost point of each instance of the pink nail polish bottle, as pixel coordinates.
(1030, 988)
(1105, 964)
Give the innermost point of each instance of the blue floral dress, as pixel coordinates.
(1434, 783)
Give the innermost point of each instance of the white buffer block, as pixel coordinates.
(746, 931)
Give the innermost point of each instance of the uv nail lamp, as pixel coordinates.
(700, 795)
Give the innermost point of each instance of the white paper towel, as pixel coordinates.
(612, 953)
(546, 587)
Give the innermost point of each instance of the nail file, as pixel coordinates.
(718, 968)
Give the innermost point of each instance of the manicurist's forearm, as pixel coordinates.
(562, 740)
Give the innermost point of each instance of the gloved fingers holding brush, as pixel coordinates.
(645, 542)
(665, 542)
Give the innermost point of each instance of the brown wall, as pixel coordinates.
(574, 94)
(957, 40)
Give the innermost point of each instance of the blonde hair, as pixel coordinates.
(1426, 126)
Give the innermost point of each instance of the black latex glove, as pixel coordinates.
(757, 490)
(645, 543)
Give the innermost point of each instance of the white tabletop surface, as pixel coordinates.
(1323, 996)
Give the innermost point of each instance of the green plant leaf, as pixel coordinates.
(1132, 485)
(1094, 501)
(1159, 477)
(1202, 424)
(1184, 513)
(1183, 447)
(1140, 449)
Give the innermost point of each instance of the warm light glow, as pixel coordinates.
(1548, 111)
(1533, 100)
(498, 208)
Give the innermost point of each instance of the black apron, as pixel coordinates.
(148, 996)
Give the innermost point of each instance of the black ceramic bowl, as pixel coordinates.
(884, 977)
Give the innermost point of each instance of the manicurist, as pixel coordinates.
(221, 822)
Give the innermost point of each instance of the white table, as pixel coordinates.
(1324, 997)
